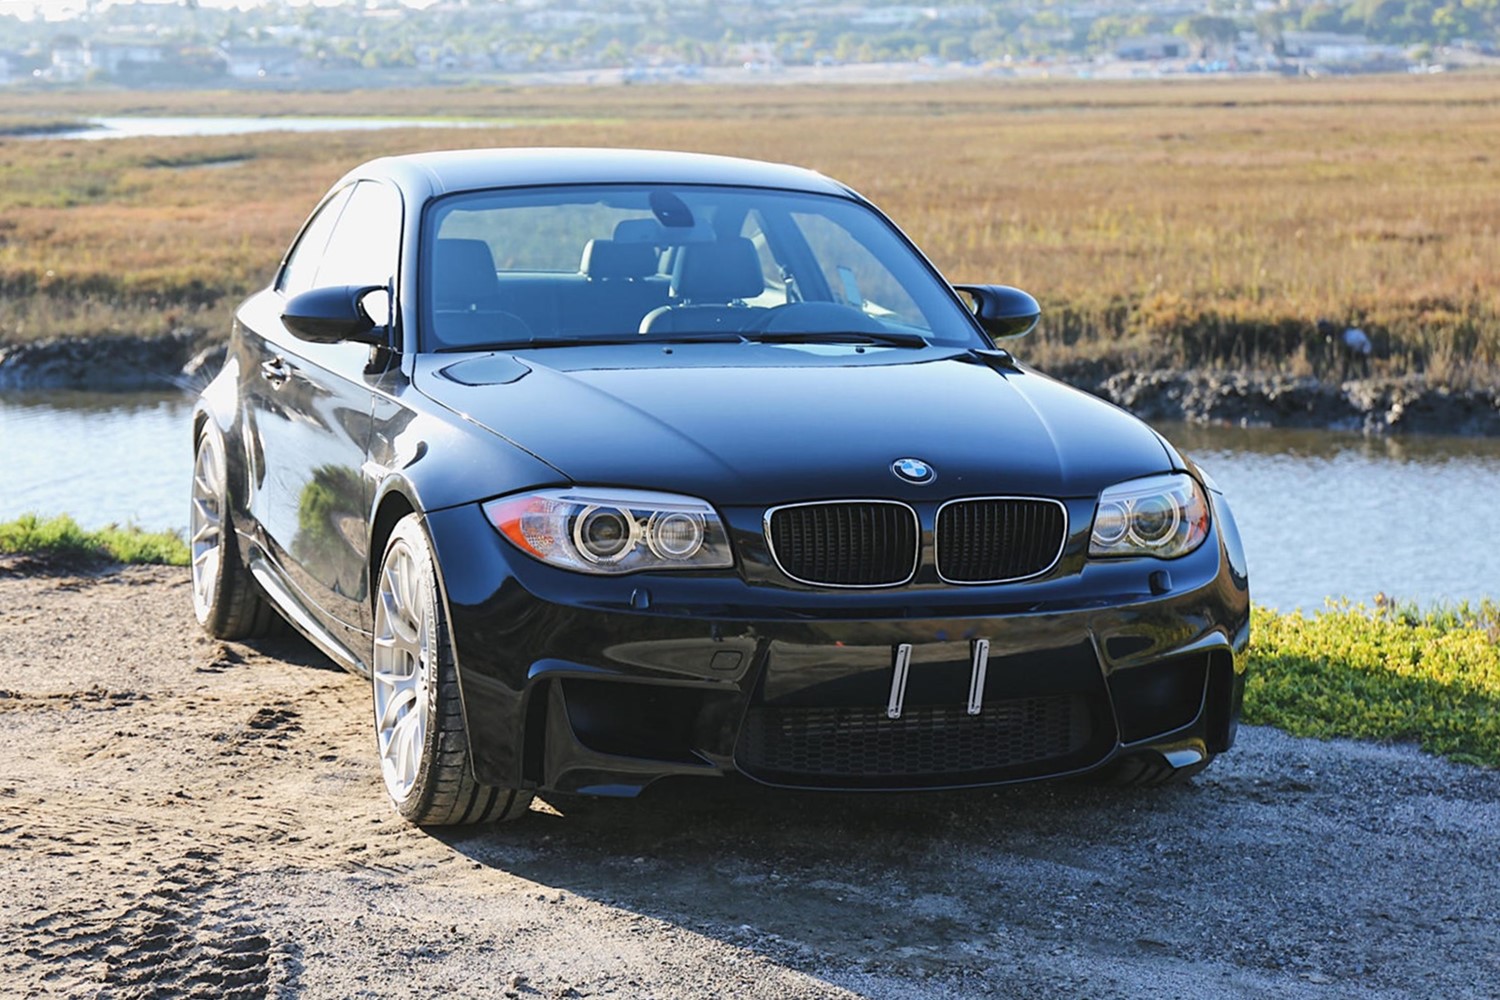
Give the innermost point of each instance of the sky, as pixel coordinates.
(57, 10)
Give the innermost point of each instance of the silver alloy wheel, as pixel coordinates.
(403, 668)
(206, 525)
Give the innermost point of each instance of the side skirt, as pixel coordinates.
(287, 603)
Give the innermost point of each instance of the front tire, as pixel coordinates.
(419, 721)
(226, 601)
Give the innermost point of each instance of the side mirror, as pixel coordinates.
(339, 314)
(1003, 311)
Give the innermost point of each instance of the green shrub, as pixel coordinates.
(60, 538)
(1391, 673)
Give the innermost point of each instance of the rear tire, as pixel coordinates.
(419, 720)
(226, 600)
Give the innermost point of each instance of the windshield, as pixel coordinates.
(627, 262)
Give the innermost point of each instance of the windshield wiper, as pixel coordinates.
(888, 338)
(632, 338)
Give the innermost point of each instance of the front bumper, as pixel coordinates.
(603, 685)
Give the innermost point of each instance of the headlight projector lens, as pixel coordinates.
(675, 535)
(603, 534)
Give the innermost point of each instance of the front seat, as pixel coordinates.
(466, 296)
(710, 282)
(463, 276)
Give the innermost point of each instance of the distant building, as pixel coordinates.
(568, 20)
(245, 61)
(124, 58)
(968, 14)
(902, 16)
(69, 60)
(891, 17)
(1328, 47)
(1150, 48)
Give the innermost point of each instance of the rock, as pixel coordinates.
(1376, 406)
(123, 362)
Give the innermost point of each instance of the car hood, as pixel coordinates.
(765, 424)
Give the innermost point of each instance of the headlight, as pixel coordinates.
(1162, 516)
(1203, 477)
(610, 531)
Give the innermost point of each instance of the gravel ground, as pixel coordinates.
(180, 816)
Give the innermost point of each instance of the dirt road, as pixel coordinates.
(184, 817)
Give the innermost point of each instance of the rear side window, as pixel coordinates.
(365, 244)
(302, 263)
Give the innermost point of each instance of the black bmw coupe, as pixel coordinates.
(608, 465)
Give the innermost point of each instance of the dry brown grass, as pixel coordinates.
(1201, 223)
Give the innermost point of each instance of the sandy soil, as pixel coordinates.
(184, 817)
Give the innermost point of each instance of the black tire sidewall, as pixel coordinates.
(410, 532)
(216, 615)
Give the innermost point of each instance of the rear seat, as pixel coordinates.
(616, 285)
(623, 284)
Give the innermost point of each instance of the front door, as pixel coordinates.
(311, 408)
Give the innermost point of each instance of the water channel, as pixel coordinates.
(1322, 514)
(141, 126)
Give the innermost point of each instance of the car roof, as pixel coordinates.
(432, 174)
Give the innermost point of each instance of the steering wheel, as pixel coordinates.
(814, 317)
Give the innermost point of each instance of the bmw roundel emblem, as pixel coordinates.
(913, 470)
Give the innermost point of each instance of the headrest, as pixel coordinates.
(610, 259)
(640, 231)
(463, 273)
(717, 272)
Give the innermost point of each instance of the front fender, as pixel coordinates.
(438, 460)
(217, 407)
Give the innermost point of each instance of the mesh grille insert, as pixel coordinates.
(847, 544)
(981, 541)
(929, 742)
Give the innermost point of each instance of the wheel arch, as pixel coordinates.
(217, 407)
(393, 501)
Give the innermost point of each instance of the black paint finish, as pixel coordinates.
(604, 684)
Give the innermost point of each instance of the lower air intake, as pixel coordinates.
(861, 746)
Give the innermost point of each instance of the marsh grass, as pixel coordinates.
(60, 539)
(1182, 224)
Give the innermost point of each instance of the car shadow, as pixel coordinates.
(868, 882)
(286, 644)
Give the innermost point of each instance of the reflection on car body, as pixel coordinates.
(608, 466)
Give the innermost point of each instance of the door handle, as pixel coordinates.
(275, 372)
